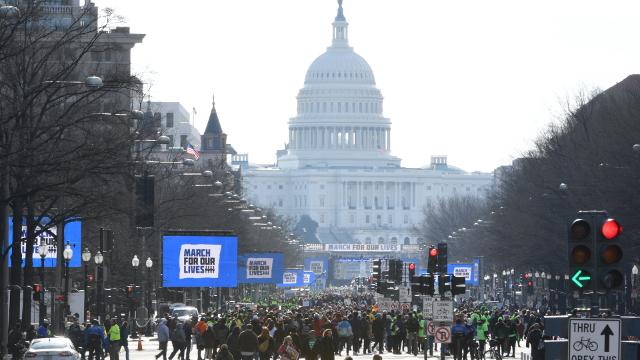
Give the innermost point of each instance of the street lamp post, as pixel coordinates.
(67, 254)
(149, 265)
(634, 287)
(86, 257)
(98, 260)
(42, 251)
(135, 262)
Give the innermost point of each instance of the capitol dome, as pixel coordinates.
(339, 65)
(339, 121)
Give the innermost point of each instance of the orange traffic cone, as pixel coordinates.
(139, 343)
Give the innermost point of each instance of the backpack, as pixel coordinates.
(264, 346)
(343, 330)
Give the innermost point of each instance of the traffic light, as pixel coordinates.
(442, 258)
(529, 287)
(609, 261)
(376, 274)
(395, 271)
(412, 270)
(444, 283)
(129, 290)
(581, 241)
(458, 285)
(432, 260)
(37, 292)
(428, 284)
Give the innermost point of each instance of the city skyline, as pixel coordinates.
(454, 81)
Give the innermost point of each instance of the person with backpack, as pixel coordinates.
(94, 339)
(209, 343)
(412, 335)
(324, 346)
(458, 334)
(248, 343)
(345, 334)
(535, 339)
(178, 339)
(265, 344)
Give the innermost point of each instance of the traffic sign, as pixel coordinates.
(442, 334)
(427, 307)
(443, 311)
(431, 328)
(594, 339)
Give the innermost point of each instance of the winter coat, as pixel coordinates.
(378, 327)
(248, 342)
(224, 355)
(325, 348)
(209, 338)
(163, 331)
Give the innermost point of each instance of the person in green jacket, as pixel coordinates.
(114, 341)
(421, 331)
(482, 328)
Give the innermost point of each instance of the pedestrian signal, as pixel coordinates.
(37, 292)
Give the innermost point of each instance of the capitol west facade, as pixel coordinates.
(338, 168)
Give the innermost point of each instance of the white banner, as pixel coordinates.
(259, 268)
(199, 261)
(361, 248)
(289, 278)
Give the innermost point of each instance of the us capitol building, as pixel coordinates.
(338, 169)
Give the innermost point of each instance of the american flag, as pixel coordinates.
(191, 150)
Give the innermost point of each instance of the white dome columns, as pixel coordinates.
(371, 138)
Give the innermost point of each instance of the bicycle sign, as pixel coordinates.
(443, 311)
(594, 338)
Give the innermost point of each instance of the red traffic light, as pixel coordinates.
(610, 229)
(37, 288)
(129, 289)
(530, 283)
(433, 252)
(412, 266)
(526, 276)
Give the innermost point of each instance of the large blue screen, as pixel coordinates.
(199, 261)
(72, 234)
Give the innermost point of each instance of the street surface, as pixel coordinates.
(150, 349)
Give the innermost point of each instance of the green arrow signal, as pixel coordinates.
(576, 278)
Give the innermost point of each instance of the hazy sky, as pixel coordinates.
(474, 80)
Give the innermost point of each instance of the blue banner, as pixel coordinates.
(468, 271)
(291, 278)
(199, 261)
(308, 278)
(317, 265)
(72, 234)
(260, 268)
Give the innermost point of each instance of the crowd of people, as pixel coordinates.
(319, 327)
(331, 325)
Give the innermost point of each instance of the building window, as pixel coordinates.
(321, 186)
(379, 220)
(367, 240)
(169, 120)
(394, 241)
(406, 219)
(183, 141)
(428, 187)
(321, 218)
(367, 219)
(170, 140)
(390, 219)
(380, 240)
(280, 187)
(407, 241)
(321, 201)
(352, 219)
(280, 202)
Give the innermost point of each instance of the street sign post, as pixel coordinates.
(443, 311)
(594, 338)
